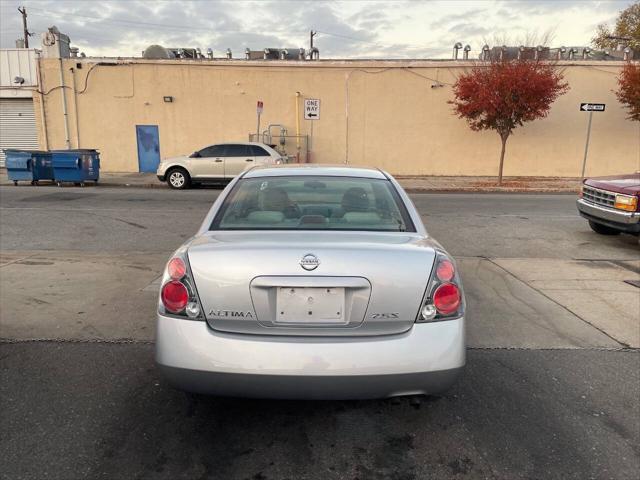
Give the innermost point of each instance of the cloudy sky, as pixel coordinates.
(347, 29)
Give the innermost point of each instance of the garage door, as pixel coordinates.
(17, 125)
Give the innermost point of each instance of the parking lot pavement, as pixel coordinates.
(78, 296)
(546, 393)
(600, 292)
(100, 411)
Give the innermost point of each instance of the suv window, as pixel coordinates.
(212, 151)
(313, 203)
(257, 151)
(237, 151)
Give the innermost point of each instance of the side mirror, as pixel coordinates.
(195, 155)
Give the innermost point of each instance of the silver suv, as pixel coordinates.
(215, 163)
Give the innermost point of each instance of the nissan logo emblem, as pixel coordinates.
(309, 262)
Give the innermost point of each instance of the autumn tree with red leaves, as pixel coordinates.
(503, 95)
(628, 92)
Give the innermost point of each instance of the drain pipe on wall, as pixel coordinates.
(75, 107)
(298, 126)
(64, 107)
(43, 114)
(346, 116)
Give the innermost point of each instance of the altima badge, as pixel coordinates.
(309, 262)
(229, 313)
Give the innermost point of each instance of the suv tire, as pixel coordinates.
(178, 179)
(603, 229)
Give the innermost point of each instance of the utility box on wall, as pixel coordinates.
(55, 44)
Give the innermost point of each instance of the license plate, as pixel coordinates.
(310, 305)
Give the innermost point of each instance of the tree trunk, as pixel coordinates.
(504, 144)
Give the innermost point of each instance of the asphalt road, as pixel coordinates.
(546, 394)
(100, 411)
(149, 220)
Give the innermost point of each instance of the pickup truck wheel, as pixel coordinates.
(178, 178)
(603, 229)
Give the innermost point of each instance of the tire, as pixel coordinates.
(603, 229)
(15, 183)
(178, 179)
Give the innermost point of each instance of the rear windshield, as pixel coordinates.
(313, 203)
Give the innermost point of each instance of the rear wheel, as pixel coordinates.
(178, 178)
(603, 229)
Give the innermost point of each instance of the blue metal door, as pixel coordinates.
(148, 148)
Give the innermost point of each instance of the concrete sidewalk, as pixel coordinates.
(413, 184)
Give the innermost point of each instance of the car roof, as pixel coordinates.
(260, 144)
(315, 169)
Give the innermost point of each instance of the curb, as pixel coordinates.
(163, 186)
(491, 190)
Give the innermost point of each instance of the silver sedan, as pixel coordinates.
(311, 281)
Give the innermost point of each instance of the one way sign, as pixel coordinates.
(312, 109)
(592, 107)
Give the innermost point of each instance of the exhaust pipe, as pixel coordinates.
(485, 52)
(561, 51)
(456, 47)
(465, 52)
(503, 50)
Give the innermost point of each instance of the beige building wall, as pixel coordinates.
(380, 113)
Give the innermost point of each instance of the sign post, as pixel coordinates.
(259, 108)
(589, 107)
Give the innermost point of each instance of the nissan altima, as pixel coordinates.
(311, 281)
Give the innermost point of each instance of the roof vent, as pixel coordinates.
(157, 52)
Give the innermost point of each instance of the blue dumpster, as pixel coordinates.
(75, 166)
(28, 165)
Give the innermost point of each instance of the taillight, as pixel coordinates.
(446, 298)
(174, 296)
(176, 268)
(178, 294)
(443, 299)
(445, 270)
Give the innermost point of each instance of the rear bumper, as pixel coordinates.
(425, 360)
(618, 219)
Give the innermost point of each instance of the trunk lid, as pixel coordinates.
(256, 282)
